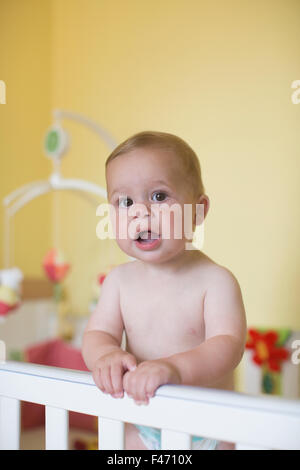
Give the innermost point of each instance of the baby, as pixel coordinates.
(183, 313)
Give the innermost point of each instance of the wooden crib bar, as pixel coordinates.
(173, 440)
(110, 434)
(9, 423)
(57, 428)
(180, 411)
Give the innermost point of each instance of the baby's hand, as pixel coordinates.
(141, 383)
(109, 370)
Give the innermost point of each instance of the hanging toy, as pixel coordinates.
(55, 265)
(10, 280)
(56, 142)
(56, 269)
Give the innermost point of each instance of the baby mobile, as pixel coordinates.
(55, 265)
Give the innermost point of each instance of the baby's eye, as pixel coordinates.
(125, 202)
(159, 196)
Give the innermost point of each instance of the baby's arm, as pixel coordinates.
(102, 339)
(225, 334)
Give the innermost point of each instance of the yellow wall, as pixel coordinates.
(218, 74)
(25, 48)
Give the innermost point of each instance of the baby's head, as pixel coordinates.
(183, 156)
(146, 166)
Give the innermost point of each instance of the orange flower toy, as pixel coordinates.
(56, 269)
(55, 265)
(268, 353)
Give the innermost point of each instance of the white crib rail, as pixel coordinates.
(252, 422)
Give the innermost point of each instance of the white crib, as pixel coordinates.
(180, 411)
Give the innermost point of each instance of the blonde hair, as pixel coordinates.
(166, 141)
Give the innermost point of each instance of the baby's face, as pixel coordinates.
(142, 186)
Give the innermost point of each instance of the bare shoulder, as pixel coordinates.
(115, 278)
(126, 269)
(224, 310)
(128, 273)
(112, 277)
(222, 275)
(215, 274)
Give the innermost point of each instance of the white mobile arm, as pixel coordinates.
(103, 134)
(17, 199)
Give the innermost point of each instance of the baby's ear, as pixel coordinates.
(202, 207)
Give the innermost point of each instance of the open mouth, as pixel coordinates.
(147, 236)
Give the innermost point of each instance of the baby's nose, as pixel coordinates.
(139, 215)
(140, 210)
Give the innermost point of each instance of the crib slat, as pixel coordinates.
(57, 428)
(248, 447)
(9, 423)
(172, 440)
(110, 434)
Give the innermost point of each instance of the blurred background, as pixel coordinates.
(218, 74)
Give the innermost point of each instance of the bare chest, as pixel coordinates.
(162, 318)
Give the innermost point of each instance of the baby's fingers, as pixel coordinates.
(97, 379)
(106, 380)
(117, 380)
(129, 362)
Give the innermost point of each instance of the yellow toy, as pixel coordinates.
(10, 280)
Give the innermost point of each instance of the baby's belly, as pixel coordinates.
(151, 347)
